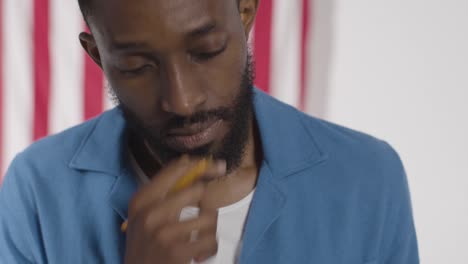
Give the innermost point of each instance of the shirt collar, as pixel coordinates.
(288, 144)
(104, 149)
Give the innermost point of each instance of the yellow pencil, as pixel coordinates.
(184, 182)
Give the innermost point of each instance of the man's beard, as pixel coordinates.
(238, 116)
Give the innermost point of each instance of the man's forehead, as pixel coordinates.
(177, 15)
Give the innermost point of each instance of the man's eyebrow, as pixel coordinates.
(203, 30)
(128, 46)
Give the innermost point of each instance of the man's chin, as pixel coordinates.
(201, 151)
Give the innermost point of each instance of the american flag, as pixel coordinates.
(48, 84)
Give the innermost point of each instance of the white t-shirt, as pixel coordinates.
(231, 220)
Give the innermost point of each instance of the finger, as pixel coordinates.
(175, 203)
(161, 183)
(214, 170)
(202, 170)
(203, 248)
(183, 232)
(158, 188)
(149, 199)
(209, 233)
(153, 216)
(211, 216)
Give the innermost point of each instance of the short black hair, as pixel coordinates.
(85, 7)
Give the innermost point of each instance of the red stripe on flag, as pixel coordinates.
(93, 88)
(304, 52)
(262, 44)
(1, 91)
(41, 62)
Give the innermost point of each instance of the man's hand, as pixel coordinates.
(154, 233)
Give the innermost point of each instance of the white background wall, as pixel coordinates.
(398, 69)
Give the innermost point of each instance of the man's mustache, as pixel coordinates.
(175, 122)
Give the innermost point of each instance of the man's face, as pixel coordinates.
(181, 72)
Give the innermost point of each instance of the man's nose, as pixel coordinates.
(181, 93)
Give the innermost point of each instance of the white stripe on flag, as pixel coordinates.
(251, 39)
(67, 66)
(286, 51)
(320, 52)
(18, 77)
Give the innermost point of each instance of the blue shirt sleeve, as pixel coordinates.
(18, 224)
(399, 245)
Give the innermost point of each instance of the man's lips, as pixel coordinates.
(194, 136)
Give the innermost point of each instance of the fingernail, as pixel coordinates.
(221, 166)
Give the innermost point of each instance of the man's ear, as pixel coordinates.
(89, 45)
(248, 11)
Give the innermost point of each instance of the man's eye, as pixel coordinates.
(136, 71)
(202, 56)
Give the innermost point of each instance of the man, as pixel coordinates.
(283, 187)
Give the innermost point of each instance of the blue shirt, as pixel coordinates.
(325, 194)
